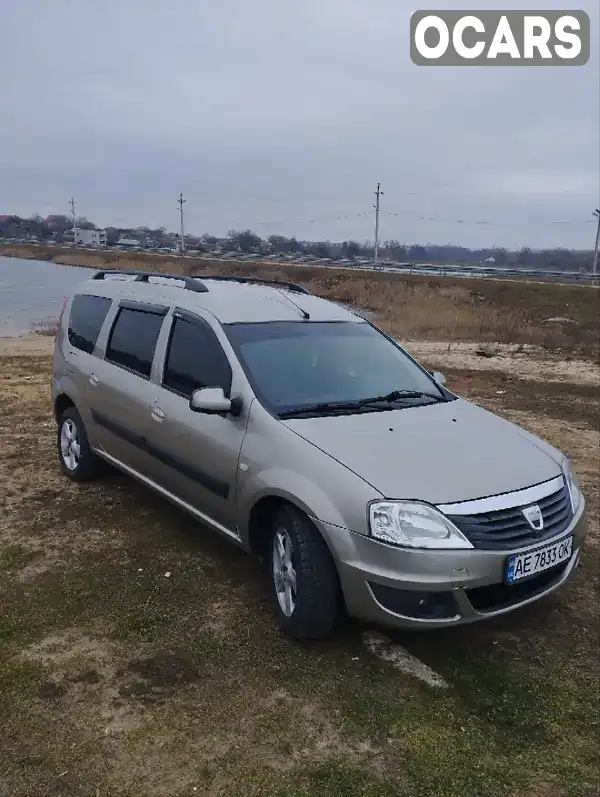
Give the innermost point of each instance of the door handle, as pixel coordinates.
(94, 380)
(157, 414)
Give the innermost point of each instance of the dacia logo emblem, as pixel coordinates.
(533, 515)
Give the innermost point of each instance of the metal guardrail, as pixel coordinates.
(427, 270)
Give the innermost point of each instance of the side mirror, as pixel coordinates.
(210, 401)
(439, 378)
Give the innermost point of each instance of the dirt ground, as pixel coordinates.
(139, 655)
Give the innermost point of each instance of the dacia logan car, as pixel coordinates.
(304, 434)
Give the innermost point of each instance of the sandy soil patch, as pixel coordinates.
(31, 344)
(526, 362)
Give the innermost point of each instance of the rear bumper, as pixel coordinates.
(436, 589)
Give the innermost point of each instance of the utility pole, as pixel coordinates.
(181, 202)
(378, 195)
(72, 203)
(594, 269)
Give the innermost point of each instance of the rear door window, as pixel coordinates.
(133, 339)
(195, 359)
(86, 319)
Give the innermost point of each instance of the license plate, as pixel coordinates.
(524, 565)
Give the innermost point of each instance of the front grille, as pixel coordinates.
(507, 529)
(500, 596)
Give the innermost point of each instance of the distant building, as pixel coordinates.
(490, 260)
(90, 237)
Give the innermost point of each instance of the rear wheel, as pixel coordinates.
(302, 576)
(77, 461)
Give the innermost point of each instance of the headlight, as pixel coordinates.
(413, 525)
(572, 484)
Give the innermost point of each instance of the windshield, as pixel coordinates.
(292, 365)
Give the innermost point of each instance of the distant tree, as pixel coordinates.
(244, 241)
(322, 250)
(558, 258)
(524, 256)
(58, 225)
(350, 249)
(112, 235)
(84, 224)
(367, 249)
(396, 251)
(34, 226)
(279, 244)
(417, 252)
(210, 241)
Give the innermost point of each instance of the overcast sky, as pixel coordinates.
(286, 112)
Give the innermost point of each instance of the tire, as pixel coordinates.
(76, 459)
(309, 611)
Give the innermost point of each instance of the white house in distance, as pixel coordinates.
(90, 237)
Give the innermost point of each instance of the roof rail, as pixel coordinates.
(290, 286)
(195, 283)
(190, 283)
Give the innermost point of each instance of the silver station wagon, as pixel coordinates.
(304, 434)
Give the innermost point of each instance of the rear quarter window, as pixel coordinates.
(86, 319)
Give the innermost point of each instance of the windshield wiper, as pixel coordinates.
(360, 404)
(325, 408)
(397, 395)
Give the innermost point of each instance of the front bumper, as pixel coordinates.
(464, 585)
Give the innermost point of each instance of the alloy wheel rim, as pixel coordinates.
(284, 573)
(70, 447)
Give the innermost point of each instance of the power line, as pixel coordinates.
(478, 221)
(347, 216)
(288, 222)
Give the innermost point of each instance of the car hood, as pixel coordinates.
(440, 453)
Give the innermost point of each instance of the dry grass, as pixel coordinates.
(115, 680)
(409, 307)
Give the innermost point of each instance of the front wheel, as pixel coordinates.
(303, 578)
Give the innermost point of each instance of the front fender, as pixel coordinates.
(299, 490)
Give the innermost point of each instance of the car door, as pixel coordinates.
(121, 393)
(196, 455)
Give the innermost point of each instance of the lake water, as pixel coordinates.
(32, 291)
